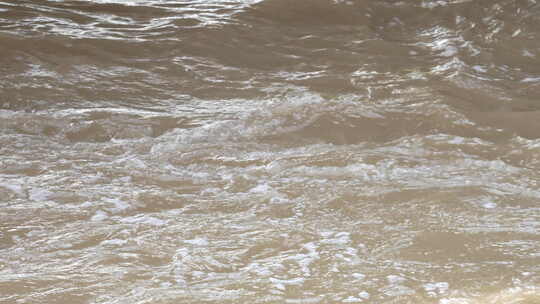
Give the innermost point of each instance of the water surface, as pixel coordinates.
(273, 151)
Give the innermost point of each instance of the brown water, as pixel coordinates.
(274, 151)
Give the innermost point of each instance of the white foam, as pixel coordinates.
(531, 79)
(304, 260)
(359, 276)
(449, 51)
(261, 188)
(259, 269)
(352, 299)
(86, 204)
(116, 242)
(479, 68)
(143, 219)
(16, 188)
(436, 288)
(508, 296)
(398, 290)
(271, 117)
(99, 216)
(395, 279)
(39, 195)
(304, 300)
(293, 281)
(119, 205)
(197, 241)
(489, 205)
(364, 295)
(341, 238)
(210, 191)
(527, 53)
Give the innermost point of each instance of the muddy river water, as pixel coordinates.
(272, 151)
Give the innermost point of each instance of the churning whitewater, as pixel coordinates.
(272, 151)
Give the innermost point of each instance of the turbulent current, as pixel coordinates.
(272, 151)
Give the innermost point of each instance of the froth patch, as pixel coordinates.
(265, 119)
(143, 219)
(298, 117)
(516, 295)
